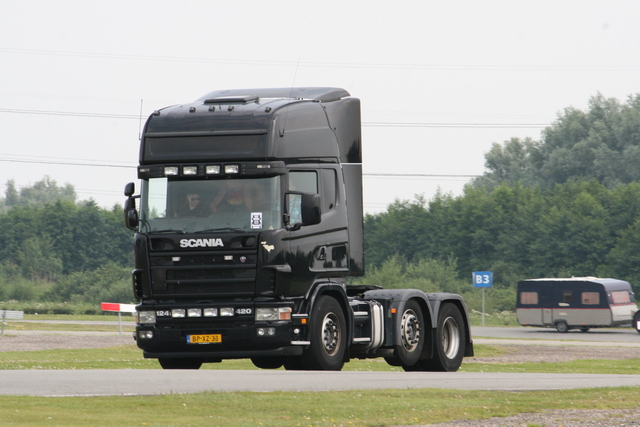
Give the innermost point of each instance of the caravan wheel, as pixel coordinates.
(562, 326)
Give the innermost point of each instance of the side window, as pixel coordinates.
(529, 298)
(590, 298)
(328, 189)
(306, 182)
(567, 296)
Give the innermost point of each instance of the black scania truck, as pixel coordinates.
(249, 224)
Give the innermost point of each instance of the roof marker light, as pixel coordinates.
(190, 170)
(212, 169)
(171, 170)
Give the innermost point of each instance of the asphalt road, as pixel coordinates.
(604, 335)
(149, 382)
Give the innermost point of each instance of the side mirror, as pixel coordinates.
(129, 189)
(130, 214)
(310, 209)
(303, 208)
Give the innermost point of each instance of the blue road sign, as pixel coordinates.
(482, 279)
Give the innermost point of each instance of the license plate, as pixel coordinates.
(204, 339)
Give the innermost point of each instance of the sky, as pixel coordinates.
(439, 81)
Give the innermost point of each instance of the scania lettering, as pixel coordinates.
(248, 226)
(200, 243)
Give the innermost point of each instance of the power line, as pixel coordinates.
(294, 63)
(364, 124)
(70, 113)
(110, 165)
(417, 175)
(65, 163)
(456, 125)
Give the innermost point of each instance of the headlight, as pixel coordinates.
(146, 317)
(273, 313)
(226, 311)
(178, 312)
(210, 312)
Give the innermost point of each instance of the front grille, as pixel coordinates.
(204, 273)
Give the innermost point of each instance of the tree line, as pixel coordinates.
(567, 205)
(54, 249)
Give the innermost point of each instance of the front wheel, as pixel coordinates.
(636, 321)
(450, 342)
(180, 363)
(327, 334)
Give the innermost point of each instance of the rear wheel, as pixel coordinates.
(180, 363)
(268, 362)
(450, 342)
(584, 329)
(327, 335)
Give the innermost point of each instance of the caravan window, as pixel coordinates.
(567, 296)
(590, 298)
(529, 298)
(620, 297)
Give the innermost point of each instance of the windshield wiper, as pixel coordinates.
(212, 230)
(168, 231)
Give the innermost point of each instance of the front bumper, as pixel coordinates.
(237, 341)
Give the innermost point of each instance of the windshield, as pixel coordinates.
(210, 205)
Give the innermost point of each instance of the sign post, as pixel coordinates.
(482, 279)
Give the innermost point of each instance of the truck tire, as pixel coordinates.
(412, 335)
(449, 344)
(268, 362)
(636, 321)
(561, 326)
(180, 363)
(327, 335)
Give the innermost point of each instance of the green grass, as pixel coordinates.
(130, 357)
(352, 408)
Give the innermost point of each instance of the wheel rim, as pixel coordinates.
(450, 337)
(330, 334)
(410, 330)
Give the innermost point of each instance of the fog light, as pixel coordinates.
(210, 312)
(145, 335)
(266, 331)
(226, 311)
(194, 312)
(178, 312)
